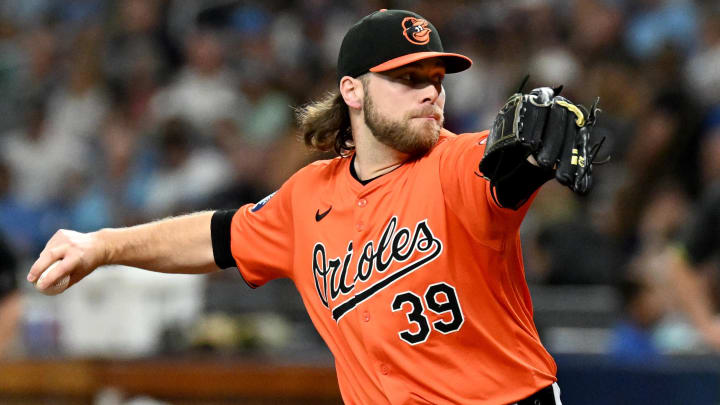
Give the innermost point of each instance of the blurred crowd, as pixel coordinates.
(114, 113)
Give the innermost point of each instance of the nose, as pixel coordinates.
(431, 92)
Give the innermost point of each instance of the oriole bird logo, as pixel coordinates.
(416, 30)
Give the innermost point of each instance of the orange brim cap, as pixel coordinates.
(454, 62)
(388, 39)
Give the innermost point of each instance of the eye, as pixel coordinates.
(406, 77)
(413, 78)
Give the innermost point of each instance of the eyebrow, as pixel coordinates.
(418, 64)
(416, 67)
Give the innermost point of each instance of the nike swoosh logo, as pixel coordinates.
(319, 216)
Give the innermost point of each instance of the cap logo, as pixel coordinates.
(416, 30)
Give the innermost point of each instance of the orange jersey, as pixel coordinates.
(415, 281)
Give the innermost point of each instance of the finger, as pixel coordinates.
(534, 118)
(577, 112)
(553, 137)
(46, 258)
(56, 271)
(75, 270)
(568, 165)
(583, 177)
(47, 277)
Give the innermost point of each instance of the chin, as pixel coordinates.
(423, 141)
(429, 131)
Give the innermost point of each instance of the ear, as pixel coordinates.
(352, 92)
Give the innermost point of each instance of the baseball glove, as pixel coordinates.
(549, 127)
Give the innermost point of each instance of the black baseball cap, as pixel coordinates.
(387, 39)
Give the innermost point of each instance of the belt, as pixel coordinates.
(549, 395)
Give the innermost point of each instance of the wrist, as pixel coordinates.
(105, 252)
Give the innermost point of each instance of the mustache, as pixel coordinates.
(427, 111)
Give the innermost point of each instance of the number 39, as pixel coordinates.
(448, 302)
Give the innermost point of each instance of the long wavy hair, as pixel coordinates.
(325, 124)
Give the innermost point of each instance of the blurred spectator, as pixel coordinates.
(205, 90)
(28, 70)
(139, 53)
(116, 192)
(35, 166)
(656, 152)
(39, 158)
(566, 249)
(186, 176)
(647, 330)
(701, 71)
(21, 222)
(709, 150)
(663, 218)
(633, 337)
(655, 24)
(597, 29)
(76, 109)
(694, 261)
(268, 113)
(246, 182)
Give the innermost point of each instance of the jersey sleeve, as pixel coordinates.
(261, 239)
(467, 191)
(701, 238)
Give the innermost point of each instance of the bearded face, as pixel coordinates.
(414, 134)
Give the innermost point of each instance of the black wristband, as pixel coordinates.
(220, 235)
(515, 188)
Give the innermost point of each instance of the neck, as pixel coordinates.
(373, 158)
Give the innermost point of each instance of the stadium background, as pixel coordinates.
(118, 112)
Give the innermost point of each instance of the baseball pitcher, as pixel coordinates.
(405, 248)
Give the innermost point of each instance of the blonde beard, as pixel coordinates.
(402, 135)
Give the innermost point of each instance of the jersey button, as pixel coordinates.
(359, 227)
(385, 369)
(362, 202)
(366, 316)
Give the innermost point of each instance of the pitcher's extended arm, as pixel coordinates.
(174, 245)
